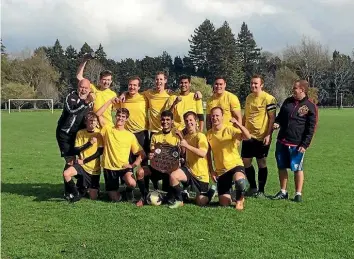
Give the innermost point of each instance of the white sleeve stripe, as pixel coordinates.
(271, 107)
(68, 106)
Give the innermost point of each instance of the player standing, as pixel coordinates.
(226, 100)
(260, 110)
(297, 121)
(185, 102)
(118, 144)
(76, 105)
(224, 141)
(103, 92)
(196, 171)
(166, 136)
(87, 169)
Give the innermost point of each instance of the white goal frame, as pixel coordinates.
(51, 101)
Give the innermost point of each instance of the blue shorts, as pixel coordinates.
(288, 157)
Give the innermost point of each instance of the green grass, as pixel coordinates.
(38, 223)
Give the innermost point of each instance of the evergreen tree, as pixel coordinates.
(200, 48)
(72, 65)
(225, 61)
(250, 57)
(3, 49)
(57, 59)
(85, 49)
(188, 66)
(101, 55)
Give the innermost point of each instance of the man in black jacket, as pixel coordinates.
(76, 105)
(297, 122)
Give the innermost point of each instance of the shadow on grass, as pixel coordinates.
(41, 191)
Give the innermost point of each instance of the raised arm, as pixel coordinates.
(245, 133)
(80, 70)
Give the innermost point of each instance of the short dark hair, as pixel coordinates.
(190, 113)
(217, 108)
(134, 78)
(91, 114)
(167, 113)
(105, 73)
(258, 76)
(220, 77)
(184, 77)
(123, 111)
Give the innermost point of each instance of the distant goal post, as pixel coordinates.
(21, 102)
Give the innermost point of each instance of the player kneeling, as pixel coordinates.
(224, 141)
(89, 148)
(195, 172)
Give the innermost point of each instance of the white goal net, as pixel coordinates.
(30, 105)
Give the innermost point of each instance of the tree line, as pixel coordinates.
(50, 71)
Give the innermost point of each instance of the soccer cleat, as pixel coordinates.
(75, 198)
(240, 204)
(176, 205)
(140, 203)
(298, 198)
(260, 195)
(68, 196)
(185, 196)
(251, 193)
(280, 196)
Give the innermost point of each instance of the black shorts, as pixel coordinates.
(254, 148)
(144, 142)
(192, 181)
(225, 180)
(86, 180)
(66, 143)
(111, 178)
(156, 176)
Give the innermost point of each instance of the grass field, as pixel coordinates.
(38, 223)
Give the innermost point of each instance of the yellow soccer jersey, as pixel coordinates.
(169, 138)
(157, 104)
(256, 113)
(137, 106)
(103, 96)
(197, 165)
(224, 145)
(82, 137)
(228, 102)
(188, 103)
(117, 147)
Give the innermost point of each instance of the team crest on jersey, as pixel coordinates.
(303, 110)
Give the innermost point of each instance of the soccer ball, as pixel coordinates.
(154, 198)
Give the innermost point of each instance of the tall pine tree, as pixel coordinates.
(250, 57)
(200, 48)
(225, 61)
(101, 54)
(85, 49)
(72, 64)
(57, 59)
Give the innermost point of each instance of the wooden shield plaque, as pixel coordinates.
(166, 158)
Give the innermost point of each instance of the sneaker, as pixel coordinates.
(176, 205)
(129, 196)
(140, 203)
(185, 195)
(75, 198)
(298, 198)
(280, 196)
(260, 195)
(251, 192)
(240, 204)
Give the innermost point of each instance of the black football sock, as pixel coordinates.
(66, 187)
(147, 183)
(177, 192)
(142, 188)
(251, 177)
(72, 187)
(262, 178)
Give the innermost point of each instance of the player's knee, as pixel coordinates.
(93, 194)
(140, 173)
(67, 174)
(247, 162)
(262, 162)
(224, 200)
(201, 200)
(240, 184)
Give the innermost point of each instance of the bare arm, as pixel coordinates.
(201, 126)
(80, 70)
(197, 151)
(103, 108)
(245, 133)
(237, 115)
(208, 121)
(210, 165)
(141, 155)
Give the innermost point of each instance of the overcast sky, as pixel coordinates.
(138, 28)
